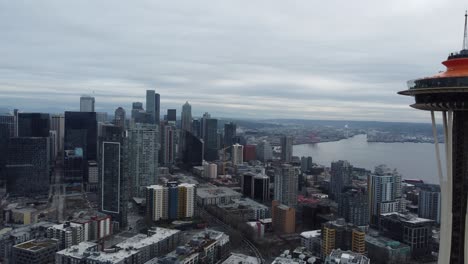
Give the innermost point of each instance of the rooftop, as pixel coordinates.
(77, 251)
(311, 234)
(141, 240)
(237, 258)
(214, 192)
(408, 218)
(244, 202)
(36, 245)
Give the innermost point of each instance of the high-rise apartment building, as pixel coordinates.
(67, 234)
(286, 148)
(28, 166)
(8, 120)
(341, 176)
(142, 146)
(429, 202)
(286, 185)
(353, 206)
(186, 117)
(283, 218)
(229, 133)
(237, 154)
(113, 183)
(33, 125)
(119, 117)
(86, 103)
(173, 201)
(264, 151)
(342, 235)
(384, 187)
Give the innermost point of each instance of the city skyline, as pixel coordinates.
(323, 61)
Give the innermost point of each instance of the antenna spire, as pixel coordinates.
(464, 36)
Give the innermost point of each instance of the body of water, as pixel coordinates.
(412, 160)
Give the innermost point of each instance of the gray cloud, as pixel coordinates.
(260, 59)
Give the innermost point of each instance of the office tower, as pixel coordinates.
(384, 187)
(86, 103)
(210, 138)
(172, 115)
(53, 147)
(346, 257)
(119, 117)
(256, 186)
(57, 124)
(286, 185)
(264, 151)
(286, 148)
(341, 176)
(283, 218)
(74, 170)
(113, 185)
(205, 116)
(143, 147)
(353, 206)
(186, 117)
(28, 166)
(168, 145)
(173, 201)
(239, 140)
(92, 185)
(193, 150)
(153, 106)
(229, 133)
(9, 121)
(81, 132)
(250, 152)
(137, 107)
(237, 154)
(101, 117)
(306, 164)
(429, 202)
(4, 139)
(413, 231)
(33, 125)
(446, 92)
(196, 128)
(342, 235)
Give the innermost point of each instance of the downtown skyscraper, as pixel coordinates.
(286, 185)
(186, 117)
(87, 103)
(153, 106)
(341, 176)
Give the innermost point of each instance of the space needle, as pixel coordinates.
(447, 92)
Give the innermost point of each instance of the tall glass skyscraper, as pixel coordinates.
(186, 117)
(33, 125)
(86, 104)
(112, 177)
(153, 106)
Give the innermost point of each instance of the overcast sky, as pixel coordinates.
(258, 59)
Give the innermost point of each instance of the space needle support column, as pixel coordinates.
(446, 192)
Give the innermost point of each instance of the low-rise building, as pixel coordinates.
(96, 225)
(35, 252)
(406, 228)
(216, 195)
(337, 256)
(206, 247)
(383, 250)
(247, 209)
(237, 258)
(298, 256)
(312, 241)
(136, 250)
(342, 235)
